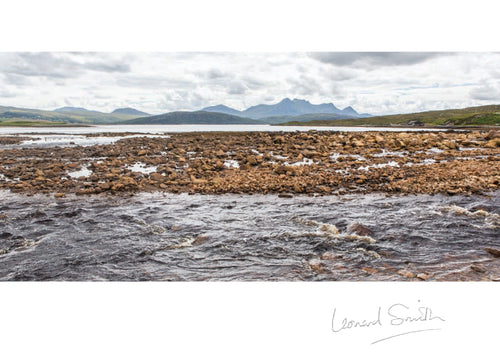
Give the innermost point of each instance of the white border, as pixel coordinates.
(227, 320)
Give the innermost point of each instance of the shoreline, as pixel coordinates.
(3, 124)
(402, 127)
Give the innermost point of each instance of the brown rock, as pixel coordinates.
(60, 195)
(450, 144)
(316, 265)
(360, 229)
(330, 256)
(105, 186)
(478, 268)
(406, 274)
(423, 276)
(493, 251)
(493, 143)
(157, 177)
(142, 153)
(279, 139)
(492, 134)
(195, 180)
(324, 189)
(200, 239)
(369, 270)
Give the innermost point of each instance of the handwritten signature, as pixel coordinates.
(396, 315)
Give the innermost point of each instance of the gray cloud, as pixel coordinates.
(6, 93)
(253, 82)
(107, 67)
(39, 64)
(181, 100)
(17, 80)
(486, 92)
(55, 65)
(151, 81)
(215, 74)
(342, 75)
(305, 85)
(236, 88)
(370, 59)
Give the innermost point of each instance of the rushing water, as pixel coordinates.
(156, 236)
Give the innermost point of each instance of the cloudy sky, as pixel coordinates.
(370, 82)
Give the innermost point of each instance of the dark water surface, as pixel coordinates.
(156, 236)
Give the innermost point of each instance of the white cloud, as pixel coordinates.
(159, 82)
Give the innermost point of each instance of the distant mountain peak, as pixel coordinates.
(220, 106)
(129, 111)
(349, 110)
(222, 109)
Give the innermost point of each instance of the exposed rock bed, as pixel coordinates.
(13, 140)
(263, 162)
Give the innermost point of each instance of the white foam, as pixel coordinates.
(84, 172)
(142, 168)
(304, 162)
(231, 164)
(278, 157)
(187, 242)
(379, 165)
(335, 156)
(386, 153)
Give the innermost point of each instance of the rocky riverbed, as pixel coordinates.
(260, 162)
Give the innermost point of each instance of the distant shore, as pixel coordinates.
(402, 126)
(39, 124)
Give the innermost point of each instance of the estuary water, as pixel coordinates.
(77, 136)
(158, 129)
(181, 237)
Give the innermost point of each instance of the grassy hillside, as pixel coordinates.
(34, 123)
(83, 117)
(471, 116)
(306, 117)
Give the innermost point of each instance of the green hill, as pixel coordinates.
(69, 115)
(470, 116)
(306, 117)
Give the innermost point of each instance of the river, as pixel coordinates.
(181, 237)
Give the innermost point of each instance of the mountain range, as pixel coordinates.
(285, 110)
(287, 107)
